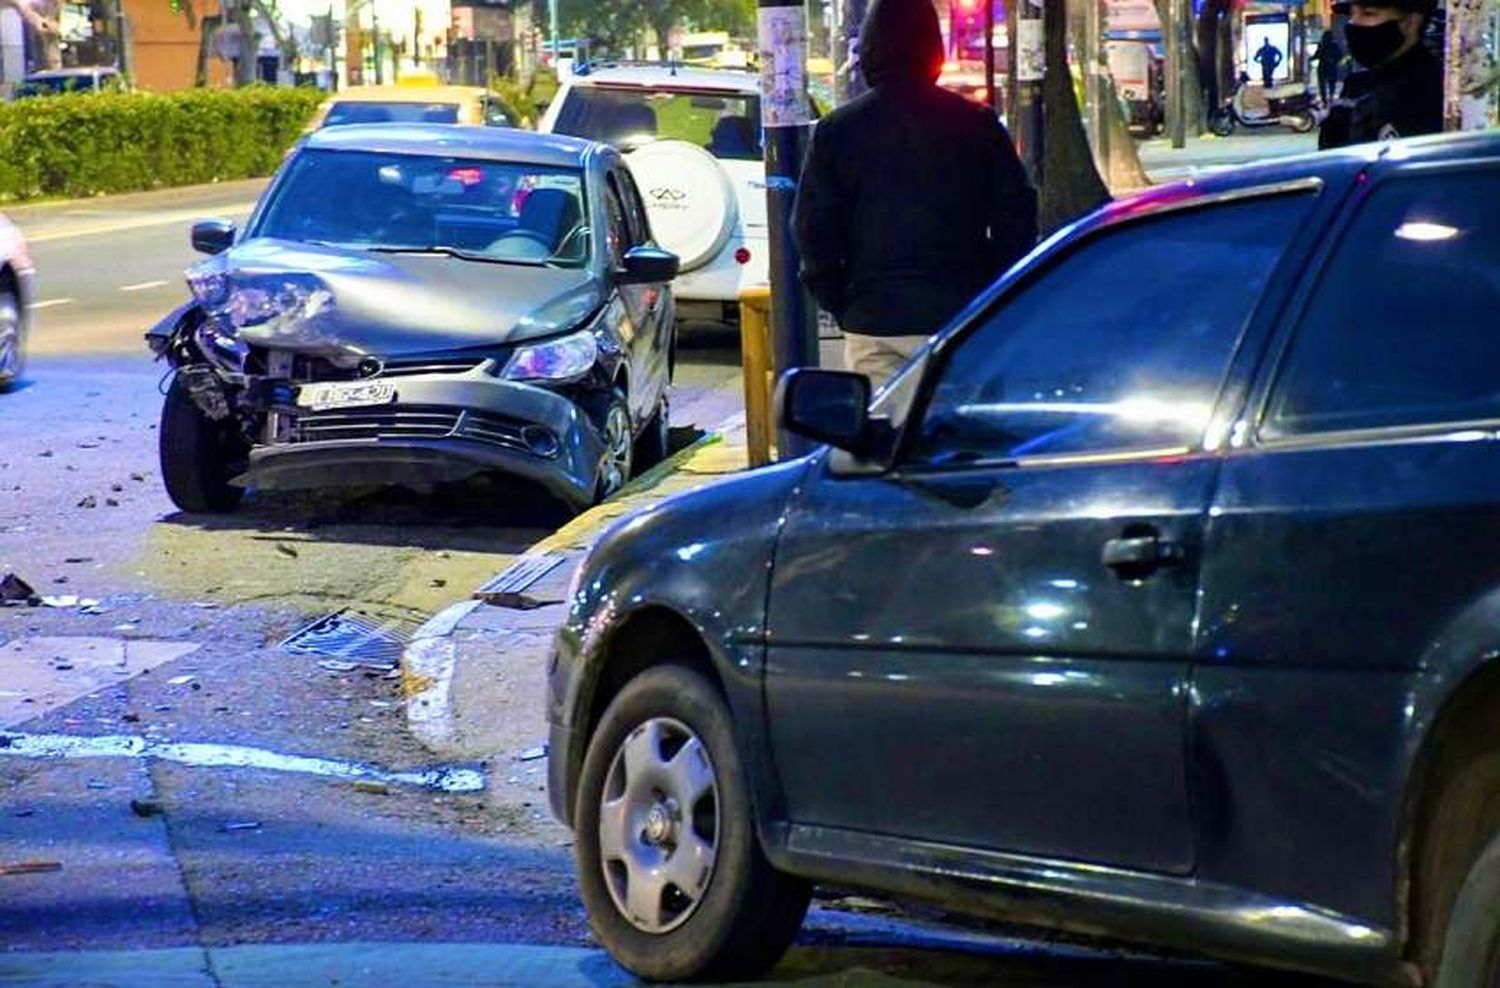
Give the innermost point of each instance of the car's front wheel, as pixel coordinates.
(198, 455)
(12, 346)
(671, 870)
(618, 459)
(1471, 943)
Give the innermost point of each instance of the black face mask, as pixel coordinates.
(1372, 46)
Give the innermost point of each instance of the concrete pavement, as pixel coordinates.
(1164, 163)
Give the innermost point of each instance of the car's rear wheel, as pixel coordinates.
(198, 455)
(12, 346)
(655, 441)
(669, 865)
(618, 458)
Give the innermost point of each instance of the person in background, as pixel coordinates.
(911, 200)
(1328, 56)
(1268, 57)
(1398, 90)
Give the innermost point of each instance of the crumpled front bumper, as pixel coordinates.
(439, 429)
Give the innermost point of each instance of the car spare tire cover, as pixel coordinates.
(689, 198)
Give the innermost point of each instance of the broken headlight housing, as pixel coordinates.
(558, 361)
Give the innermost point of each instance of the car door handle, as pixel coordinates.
(1139, 555)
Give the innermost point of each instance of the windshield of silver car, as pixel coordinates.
(475, 210)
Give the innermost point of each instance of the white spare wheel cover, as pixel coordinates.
(689, 198)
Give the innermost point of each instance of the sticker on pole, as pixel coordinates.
(783, 67)
(1031, 50)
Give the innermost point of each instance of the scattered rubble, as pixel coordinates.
(241, 825)
(88, 501)
(29, 867)
(145, 808)
(286, 550)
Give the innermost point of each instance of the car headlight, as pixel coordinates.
(566, 358)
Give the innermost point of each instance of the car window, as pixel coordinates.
(494, 113)
(1401, 327)
(635, 212)
(359, 112)
(1123, 345)
(618, 233)
(727, 125)
(492, 210)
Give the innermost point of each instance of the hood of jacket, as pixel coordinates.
(901, 40)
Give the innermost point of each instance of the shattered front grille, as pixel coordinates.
(404, 422)
(400, 422)
(316, 369)
(364, 635)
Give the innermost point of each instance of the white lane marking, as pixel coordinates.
(141, 222)
(34, 306)
(443, 778)
(144, 285)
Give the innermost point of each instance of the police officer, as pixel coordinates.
(1398, 91)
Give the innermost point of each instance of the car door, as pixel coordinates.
(988, 646)
(636, 320)
(1352, 530)
(656, 358)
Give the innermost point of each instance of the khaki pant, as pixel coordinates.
(877, 357)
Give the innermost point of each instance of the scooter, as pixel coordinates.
(1285, 107)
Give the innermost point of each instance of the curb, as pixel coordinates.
(429, 662)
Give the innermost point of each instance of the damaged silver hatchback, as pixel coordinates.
(417, 304)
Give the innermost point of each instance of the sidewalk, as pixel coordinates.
(475, 674)
(1164, 163)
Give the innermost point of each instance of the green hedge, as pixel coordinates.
(88, 144)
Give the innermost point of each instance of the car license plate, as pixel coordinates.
(341, 394)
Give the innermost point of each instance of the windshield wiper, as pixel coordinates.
(465, 255)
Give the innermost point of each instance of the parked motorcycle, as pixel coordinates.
(1285, 106)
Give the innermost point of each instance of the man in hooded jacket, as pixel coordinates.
(911, 200)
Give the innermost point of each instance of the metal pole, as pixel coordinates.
(552, 29)
(1026, 122)
(786, 115)
(375, 36)
(990, 95)
(1092, 103)
(1176, 111)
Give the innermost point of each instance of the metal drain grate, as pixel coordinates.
(361, 636)
(510, 588)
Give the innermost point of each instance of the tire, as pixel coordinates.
(618, 459)
(12, 342)
(1303, 122)
(1221, 123)
(1471, 944)
(655, 441)
(739, 919)
(198, 456)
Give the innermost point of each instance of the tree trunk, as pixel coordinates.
(1193, 108)
(1071, 185)
(244, 66)
(1123, 170)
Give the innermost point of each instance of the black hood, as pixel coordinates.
(294, 296)
(900, 39)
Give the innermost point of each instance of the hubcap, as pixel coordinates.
(659, 825)
(10, 336)
(615, 469)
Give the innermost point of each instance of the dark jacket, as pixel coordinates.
(1402, 98)
(912, 198)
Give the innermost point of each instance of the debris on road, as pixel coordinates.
(60, 600)
(338, 665)
(509, 588)
(374, 788)
(30, 867)
(79, 559)
(286, 550)
(180, 680)
(241, 825)
(532, 754)
(88, 501)
(145, 808)
(14, 590)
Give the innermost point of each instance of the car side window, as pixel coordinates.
(618, 233)
(1401, 328)
(635, 210)
(1121, 346)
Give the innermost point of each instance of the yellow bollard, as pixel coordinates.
(760, 372)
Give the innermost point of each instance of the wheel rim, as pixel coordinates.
(10, 336)
(615, 469)
(659, 825)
